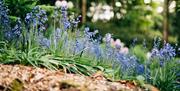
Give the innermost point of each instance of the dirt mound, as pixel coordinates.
(26, 78)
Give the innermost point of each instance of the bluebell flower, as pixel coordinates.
(99, 38)
(108, 38)
(64, 20)
(64, 11)
(88, 35)
(8, 35)
(43, 41)
(76, 21)
(57, 36)
(58, 33)
(65, 39)
(90, 43)
(28, 18)
(167, 52)
(128, 63)
(79, 46)
(86, 32)
(37, 18)
(18, 27)
(67, 25)
(117, 45)
(97, 50)
(155, 53)
(108, 49)
(4, 19)
(140, 69)
(109, 53)
(15, 33)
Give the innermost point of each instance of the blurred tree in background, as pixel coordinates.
(141, 19)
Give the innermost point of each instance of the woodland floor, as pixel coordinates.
(27, 78)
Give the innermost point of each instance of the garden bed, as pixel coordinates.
(80, 58)
(19, 77)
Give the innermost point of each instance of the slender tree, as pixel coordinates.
(166, 20)
(84, 2)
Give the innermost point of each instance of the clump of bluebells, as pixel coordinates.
(35, 24)
(162, 66)
(15, 33)
(86, 44)
(166, 53)
(64, 20)
(37, 18)
(4, 18)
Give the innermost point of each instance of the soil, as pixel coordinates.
(27, 78)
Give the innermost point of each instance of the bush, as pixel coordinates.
(19, 8)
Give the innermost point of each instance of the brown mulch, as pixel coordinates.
(26, 78)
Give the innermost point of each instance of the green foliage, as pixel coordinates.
(48, 9)
(41, 58)
(19, 8)
(163, 77)
(140, 52)
(141, 80)
(140, 20)
(124, 33)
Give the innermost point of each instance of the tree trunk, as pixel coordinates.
(84, 11)
(113, 3)
(178, 20)
(166, 20)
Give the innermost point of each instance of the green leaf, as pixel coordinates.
(141, 80)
